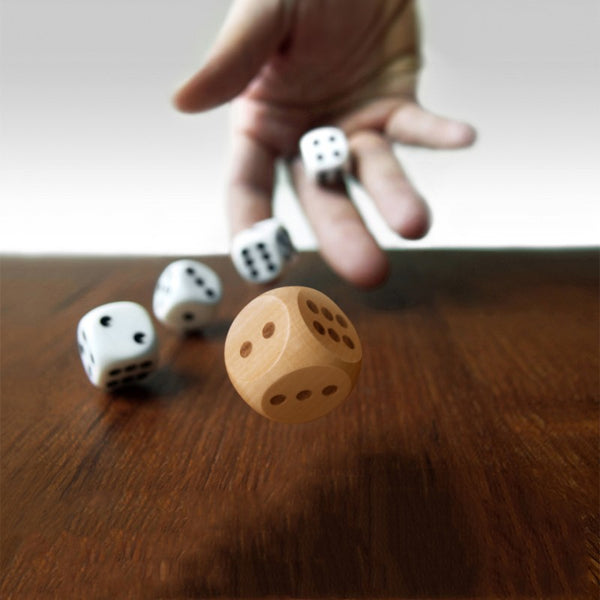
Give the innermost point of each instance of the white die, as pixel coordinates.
(186, 295)
(325, 154)
(117, 344)
(261, 252)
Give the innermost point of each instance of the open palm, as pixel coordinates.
(292, 65)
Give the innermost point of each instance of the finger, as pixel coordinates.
(251, 33)
(250, 186)
(403, 209)
(344, 241)
(412, 124)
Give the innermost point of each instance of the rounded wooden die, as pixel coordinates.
(292, 354)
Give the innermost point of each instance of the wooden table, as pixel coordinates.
(465, 463)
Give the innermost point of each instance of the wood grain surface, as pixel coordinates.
(464, 464)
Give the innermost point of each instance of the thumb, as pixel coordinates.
(252, 31)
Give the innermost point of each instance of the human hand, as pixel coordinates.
(292, 65)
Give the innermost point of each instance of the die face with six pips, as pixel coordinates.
(292, 354)
(261, 252)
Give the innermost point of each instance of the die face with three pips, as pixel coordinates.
(292, 354)
(186, 295)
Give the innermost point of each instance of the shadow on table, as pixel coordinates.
(465, 277)
(394, 531)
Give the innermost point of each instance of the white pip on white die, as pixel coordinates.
(117, 344)
(261, 252)
(325, 154)
(186, 295)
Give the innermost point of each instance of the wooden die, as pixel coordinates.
(292, 354)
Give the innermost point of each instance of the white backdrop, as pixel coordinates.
(96, 160)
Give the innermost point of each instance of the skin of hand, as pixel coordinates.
(292, 65)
